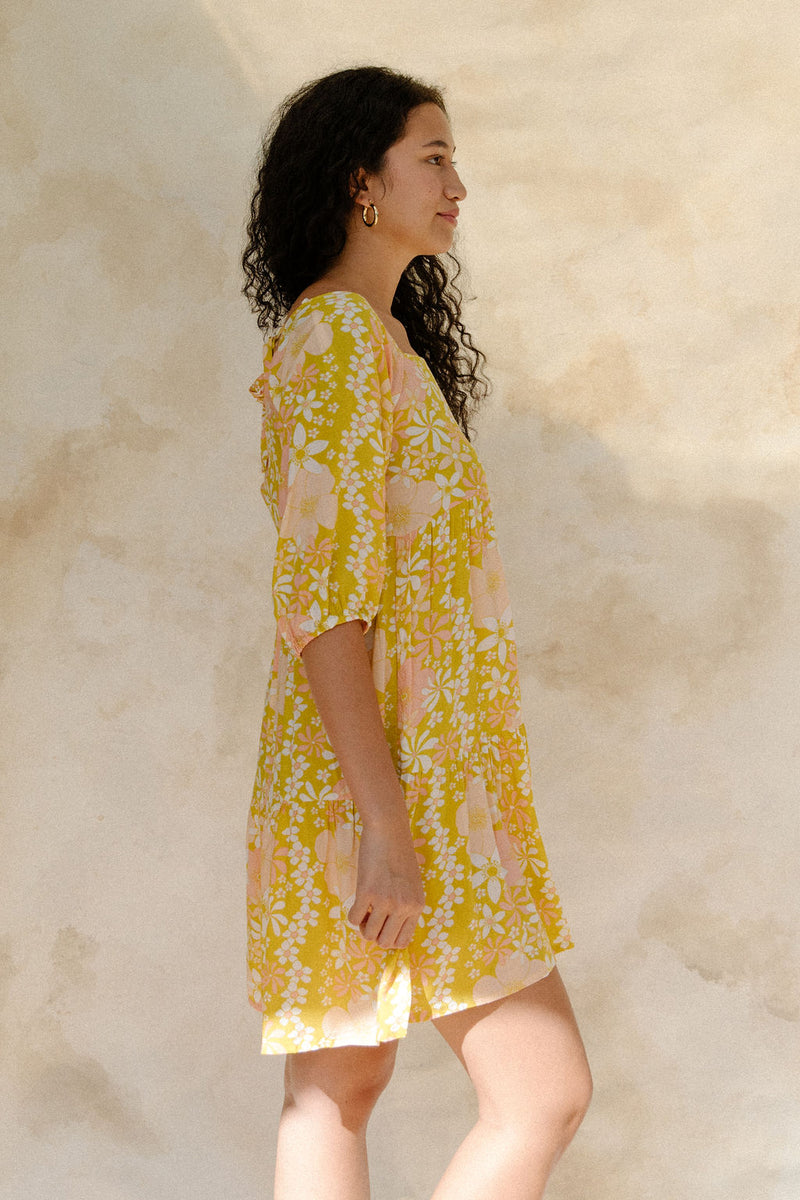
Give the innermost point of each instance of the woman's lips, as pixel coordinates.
(447, 217)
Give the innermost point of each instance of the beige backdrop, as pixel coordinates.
(631, 239)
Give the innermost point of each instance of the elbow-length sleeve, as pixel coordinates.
(335, 420)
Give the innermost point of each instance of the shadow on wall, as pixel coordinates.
(629, 595)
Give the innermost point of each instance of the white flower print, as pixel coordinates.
(415, 752)
(308, 404)
(451, 489)
(303, 452)
(500, 635)
(490, 872)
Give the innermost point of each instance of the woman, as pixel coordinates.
(396, 872)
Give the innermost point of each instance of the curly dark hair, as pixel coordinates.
(315, 143)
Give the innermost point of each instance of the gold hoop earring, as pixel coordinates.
(369, 224)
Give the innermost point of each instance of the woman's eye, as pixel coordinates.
(441, 156)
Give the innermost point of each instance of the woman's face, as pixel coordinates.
(421, 182)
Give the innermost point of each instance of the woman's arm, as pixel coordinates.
(389, 882)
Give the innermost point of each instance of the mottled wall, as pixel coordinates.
(631, 241)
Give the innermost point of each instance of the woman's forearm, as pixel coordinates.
(340, 677)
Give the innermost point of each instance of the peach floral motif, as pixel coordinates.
(374, 574)
(317, 555)
(341, 980)
(319, 337)
(411, 679)
(338, 851)
(508, 857)
(449, 739)
(503, 713)
(307, 374)
(438, 564)
(514, 907)
(548, 903)
(339, 806)
(529, 855)
(488, 582)
(511, 975)
(353, 1023)
(273, 979)
(312, 739)
(477, 542)
(475, 824)
(432, 633)
(424, 964)
(278, 863)
(416, 788)
(285, 590)
(311, 504)
(495, 947)
(409, 504)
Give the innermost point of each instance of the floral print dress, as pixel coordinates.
(382, 514)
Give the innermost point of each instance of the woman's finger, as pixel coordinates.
(359, 911)
(372, 924)
(406, 932)
(391, 928)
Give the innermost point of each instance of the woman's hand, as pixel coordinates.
(389, 891)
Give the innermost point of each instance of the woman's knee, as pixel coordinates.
(537, 1121)
(568, 1097)
(577, 1098)
(350, 1077)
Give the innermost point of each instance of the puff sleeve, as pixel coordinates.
(335, 421)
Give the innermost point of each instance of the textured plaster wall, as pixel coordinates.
(631, 241)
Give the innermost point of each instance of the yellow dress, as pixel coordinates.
(382, 513)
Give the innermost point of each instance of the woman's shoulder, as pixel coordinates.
(327, 320)
(334, 306)
(329, 289)
(309, 293)
(340, 299)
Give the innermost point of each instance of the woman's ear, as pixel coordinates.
(358, 183)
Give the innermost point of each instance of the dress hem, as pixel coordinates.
(414, 1019)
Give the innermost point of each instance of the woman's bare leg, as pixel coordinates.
(525, 1057)
(330, 1094)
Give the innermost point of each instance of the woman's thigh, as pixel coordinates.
(524, 1054)
(344, 1074)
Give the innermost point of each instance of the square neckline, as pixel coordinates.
(343, 292)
